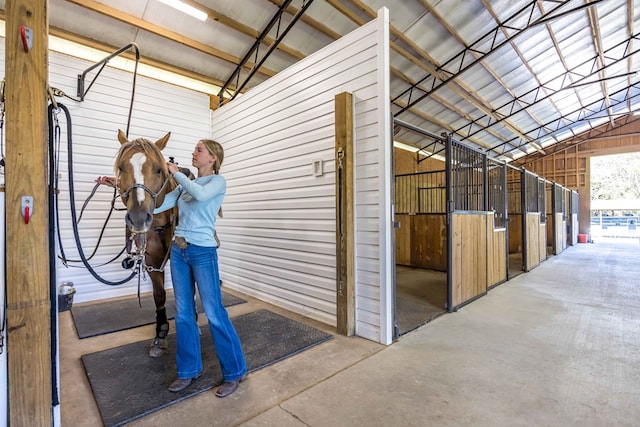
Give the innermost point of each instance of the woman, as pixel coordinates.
(194, 260)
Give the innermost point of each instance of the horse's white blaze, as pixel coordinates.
(137, 160)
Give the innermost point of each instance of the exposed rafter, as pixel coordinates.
(425, 62)
(495, 38)
(255, 49)
(589, 112)
(570, 79)
(506, 104)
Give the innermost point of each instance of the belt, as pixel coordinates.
(181, 242)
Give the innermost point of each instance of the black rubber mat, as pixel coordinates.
(118, 315)
(128, 384)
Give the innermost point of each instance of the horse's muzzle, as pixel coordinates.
(138, 222)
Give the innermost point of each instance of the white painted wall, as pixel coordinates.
(278, 232)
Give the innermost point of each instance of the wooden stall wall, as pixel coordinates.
(550, 219)
(497, 253)
(514, 209)
(468, 270)
(536, 241)
(421, 240)
(542, 242)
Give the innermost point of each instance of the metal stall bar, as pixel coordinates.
(450, 207)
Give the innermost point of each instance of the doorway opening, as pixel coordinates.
(615, 198)
(421, 239)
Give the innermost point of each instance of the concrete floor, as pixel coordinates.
(558, 346)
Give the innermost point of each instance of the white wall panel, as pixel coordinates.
(158, 108)
(278, 233)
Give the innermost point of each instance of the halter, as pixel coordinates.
(153, 194)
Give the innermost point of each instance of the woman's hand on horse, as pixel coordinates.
(109, 181)
(173, 167)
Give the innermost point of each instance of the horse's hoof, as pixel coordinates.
(158, 347)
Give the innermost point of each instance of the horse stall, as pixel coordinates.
(421, 231)
(556, 217)
(465, 245)
(535, 223)
(516, 221)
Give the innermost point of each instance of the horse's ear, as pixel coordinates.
(162, 142)
(122, 137)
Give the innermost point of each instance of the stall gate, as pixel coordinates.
(534, 224)
(476, 191)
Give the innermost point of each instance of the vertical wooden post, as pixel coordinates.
(345, 250)
(28, 287)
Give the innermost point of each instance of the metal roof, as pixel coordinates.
(509, 77)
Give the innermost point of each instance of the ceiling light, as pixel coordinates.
(188, 9)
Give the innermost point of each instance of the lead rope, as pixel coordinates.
(340, 157)
(72, 202)
(3, 308)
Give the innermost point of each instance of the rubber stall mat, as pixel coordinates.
(128, 384)
(117, 315)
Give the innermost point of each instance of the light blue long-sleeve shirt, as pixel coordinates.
(198, 203)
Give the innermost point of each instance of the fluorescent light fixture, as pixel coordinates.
(94, 55)
(76, 50)
(185, 8)
(414, 149)
(404, 146)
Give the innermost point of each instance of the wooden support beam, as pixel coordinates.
(345, 250)
(27, 259)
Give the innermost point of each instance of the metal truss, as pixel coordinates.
(428, 150)
(589, 112)
(583, 137)
(583, 72)
(489, 43)
(255, 48)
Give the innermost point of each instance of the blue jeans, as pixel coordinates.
(199, 264)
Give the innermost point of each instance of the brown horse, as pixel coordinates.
(143, 180)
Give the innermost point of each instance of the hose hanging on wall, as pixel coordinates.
(72, 203)
(54, 137)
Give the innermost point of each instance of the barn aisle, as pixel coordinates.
(556, 346)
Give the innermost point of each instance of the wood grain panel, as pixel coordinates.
(533, 241)
(469, 258)
(345, 252)
(27, 262)
(421, 241)
(515, 233)
(496, 253)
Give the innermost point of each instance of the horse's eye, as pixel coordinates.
(158, 171)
